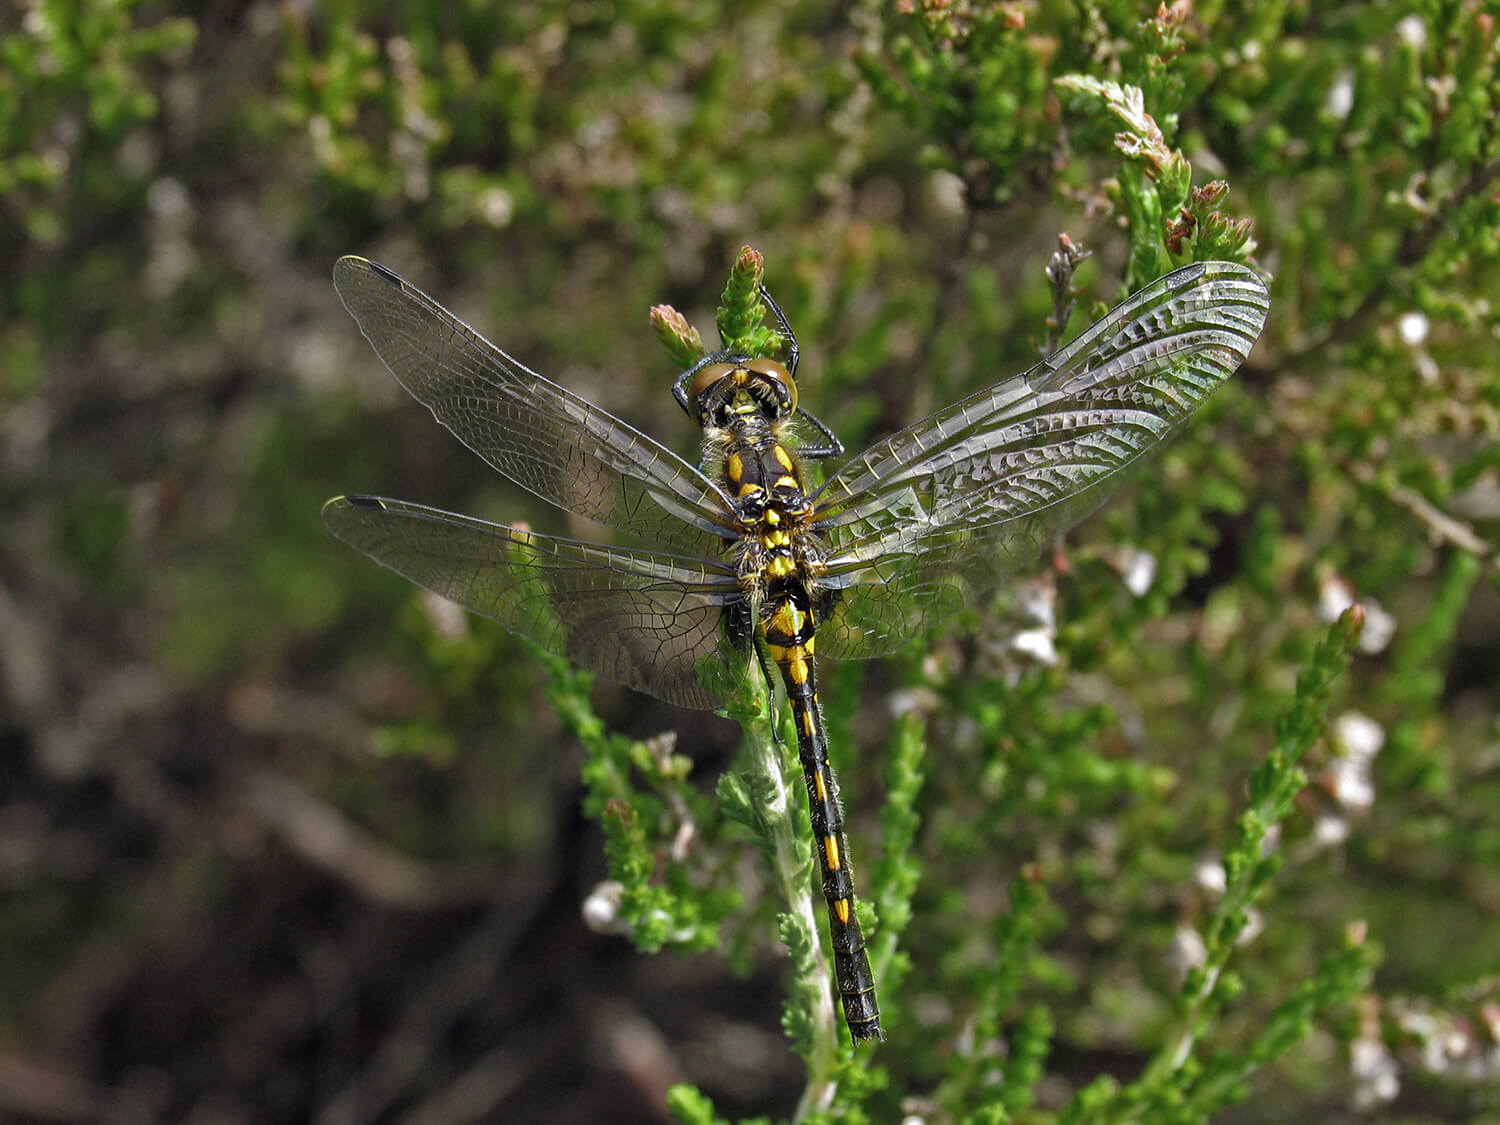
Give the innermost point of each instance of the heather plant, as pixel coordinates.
(1195, 822)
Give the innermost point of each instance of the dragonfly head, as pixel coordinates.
(737, 387)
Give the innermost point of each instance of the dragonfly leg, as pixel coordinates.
(830, 446)
(793, 352)
(773, 692)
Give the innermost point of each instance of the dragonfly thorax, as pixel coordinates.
(775, 546)
(759, 473)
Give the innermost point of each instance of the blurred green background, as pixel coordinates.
(283, 840)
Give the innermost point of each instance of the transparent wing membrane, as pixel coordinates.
(960, 501)
(650, 621)
(915, 526)
(545, 438)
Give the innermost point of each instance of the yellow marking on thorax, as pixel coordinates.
(735, 467)
(750, 488)
(831, 852)
(780, 566)
(786, 482)
(783, 458)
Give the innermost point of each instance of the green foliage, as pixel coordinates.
(639, 823)
(1178, 1085)
(1147, 878)
(898, 872)
(78, 81)
(975, 1083)
(972, 84)
(741, 314)
(741, 318)
(77, 73)
(532, 113)
(691, 1107)
(1170, 220)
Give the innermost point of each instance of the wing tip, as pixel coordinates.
(1242, 272)
(390, 277)
(1218, 267)
(352, 264)
(338, 504)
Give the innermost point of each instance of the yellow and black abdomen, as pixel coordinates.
(789, 628)
(774, 558)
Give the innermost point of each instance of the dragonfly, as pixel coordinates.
(741, 555)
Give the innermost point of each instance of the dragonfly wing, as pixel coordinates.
(870, 619)
(543, 437)
(650, 621)
(956, 503)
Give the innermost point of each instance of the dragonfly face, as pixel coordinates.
(739, 554)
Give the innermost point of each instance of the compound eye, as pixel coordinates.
(706, 379)
(777, 374)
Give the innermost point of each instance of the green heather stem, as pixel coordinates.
(764, 797)
(1273, 788)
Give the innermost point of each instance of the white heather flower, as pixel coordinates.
(1340, 99)
(1255, 925)
(1412, 328)
(1138, 572)
(1357, 738)
(1380, 627)
(601, 909)
(1334, 596)
(1187, 952)
(1272, 840)
(1350, 785)
(1037, 644)
(1037, 601)
(1211, 876)
(1330, 830)
(448, 619)
(1376, 1079)
(1412, 31)
(1358, 735)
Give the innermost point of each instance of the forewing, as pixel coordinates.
(650, 621)
(543, 437)
(951, 506)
